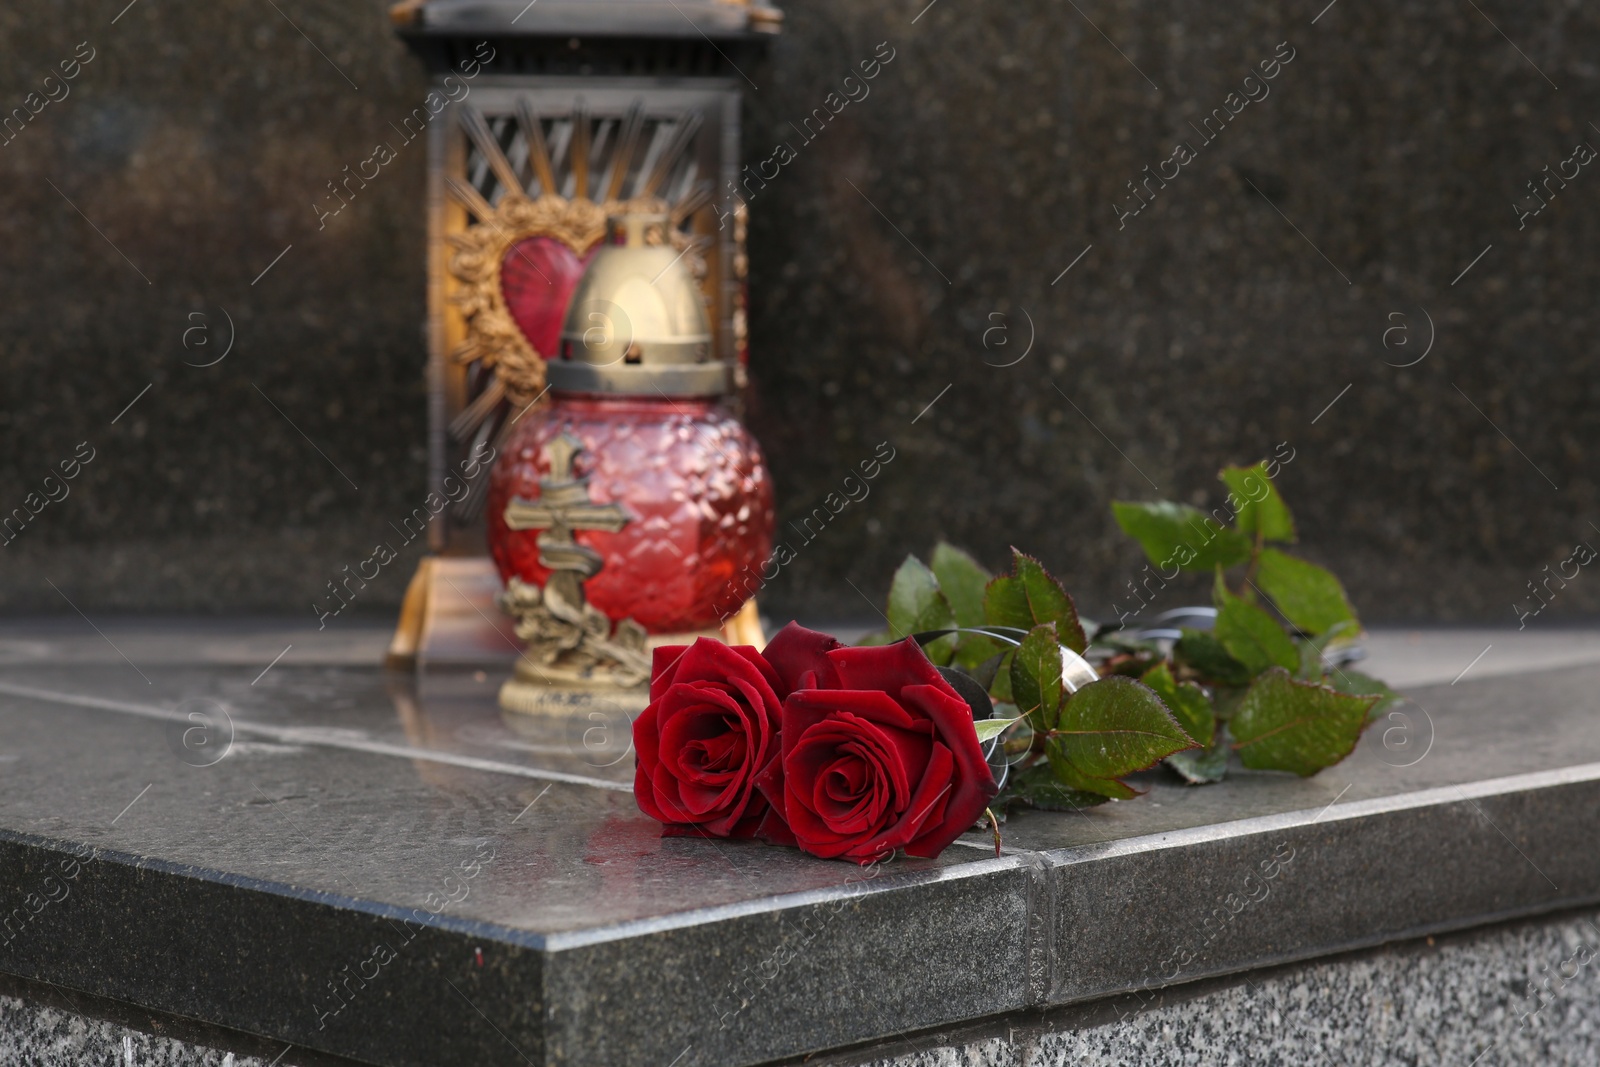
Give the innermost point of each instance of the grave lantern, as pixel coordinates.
(559, 117)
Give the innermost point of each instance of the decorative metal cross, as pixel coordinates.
(564, 506)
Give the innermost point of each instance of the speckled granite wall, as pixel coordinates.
(47, 1026)
(1519, 995)
(974, 192)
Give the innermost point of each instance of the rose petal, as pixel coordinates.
(846, 795)
(715, 661)
(891, 760)
(934, 787)
(754, 817)
(741, 819)
(795, 650)
(887, 668)
(880, 707)
(774, 826)
(774, 830)
(663, 665)
(696, 713)
(709, 728)
(974, 781)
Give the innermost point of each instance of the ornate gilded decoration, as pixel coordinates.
(493, 337)
(481, 250)
(566, 634)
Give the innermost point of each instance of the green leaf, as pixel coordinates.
(973, 650)
(1187, 702)
(1285, 725)
(1000, 688)
(916, 605)
(1260, 508)
(1253, 637)
(1357, 684)
(1204, 654)
(1226, 698)
(1203, 767)
(1030, 595)
(1005, 603)
(1108, 729)
(915, 602)
(1037, 787)
(1048, 601)
(984, 673)
(1178, 535)
(1310, 669)
(990, 728)
(1036, 675)
(1079, 782)
(962, 580)
(1340, 634)
(1309, 596)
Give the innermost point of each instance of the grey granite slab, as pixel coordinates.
(403, 874)
(1519, 993)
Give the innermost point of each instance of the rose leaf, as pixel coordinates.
(1261, 510)
(1030, 596)
(1203, 653)
(1253, 637)
(1078, 782)
(1203, 767)
(1364, 685)
(1179, 535)
(1187, 702)
(1005, 603)
(1285, 725)
(916, 605)
(963, 580)
(1111, 728)
(1310, 597)
(1310, 669)
(1049, 602)
(1037, 787)
(1036, 675)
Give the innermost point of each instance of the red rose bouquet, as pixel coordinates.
(844, 752)
(859, 752)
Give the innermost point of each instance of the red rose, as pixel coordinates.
(795, 652)
(878, 753)
(711, 725)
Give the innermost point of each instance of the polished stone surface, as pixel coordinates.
(1402, 656)
(989, 154)
(234, 845)
(347, 801)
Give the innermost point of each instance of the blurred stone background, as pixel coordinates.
(916, 244)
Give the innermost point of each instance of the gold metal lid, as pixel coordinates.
(637, 322)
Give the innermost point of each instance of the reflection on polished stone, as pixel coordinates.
(267, 830)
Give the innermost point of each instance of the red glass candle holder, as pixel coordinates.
(692, 481)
